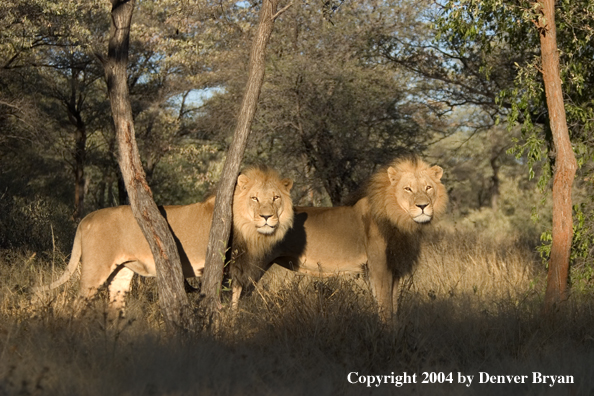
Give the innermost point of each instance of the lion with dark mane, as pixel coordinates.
(380, 232)
(111, 246)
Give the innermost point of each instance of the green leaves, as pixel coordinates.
(488, 26)
(499, 29)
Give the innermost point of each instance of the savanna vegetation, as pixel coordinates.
(348, 86)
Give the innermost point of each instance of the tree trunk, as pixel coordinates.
(565, 162)
(495, 192)
(80, 155)
(172, 297)
(222, 217)
(80, 146)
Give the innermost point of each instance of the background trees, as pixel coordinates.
(330, 111)
(59, 144)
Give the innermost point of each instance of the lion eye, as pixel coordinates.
(428, 188)
(408, 189)
(275, 197)
(255, 199)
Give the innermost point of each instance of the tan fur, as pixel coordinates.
(381, 231)
(111, 246)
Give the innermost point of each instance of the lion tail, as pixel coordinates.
(72, 264)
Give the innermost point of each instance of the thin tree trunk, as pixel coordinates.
(222, 217)
(495, 181)
(80, 146)
(172, 297)
(80, 155)
(565, 162)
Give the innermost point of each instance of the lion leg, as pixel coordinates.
(118, 289)
(382, 288)
(381, 278)
(92, 276)
(395, 294)
(235, 296)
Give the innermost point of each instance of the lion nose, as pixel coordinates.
(422, 206)
(265, 217)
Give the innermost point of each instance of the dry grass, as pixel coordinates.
(473, 305)
(464, 264)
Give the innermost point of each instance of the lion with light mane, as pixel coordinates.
(380, 233)
(111, 246)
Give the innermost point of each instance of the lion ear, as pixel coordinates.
(393, 176)
(288, 183)
(242, 181)
(437, 171)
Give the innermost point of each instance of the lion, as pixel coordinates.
(379, 234)
(112, 248)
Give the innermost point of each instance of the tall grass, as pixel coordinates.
(473, 304)
(468, 264)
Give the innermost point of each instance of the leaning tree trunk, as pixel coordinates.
(222, 216)
(172, 297)
(565, 162)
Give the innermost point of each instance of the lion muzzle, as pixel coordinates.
(269, 226)
(426, 213)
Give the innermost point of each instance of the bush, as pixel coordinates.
(38, 223)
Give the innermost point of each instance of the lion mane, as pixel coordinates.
(385, 203)
(252, 187)
(111, 247)
(379, 233)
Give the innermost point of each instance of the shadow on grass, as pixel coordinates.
(465, 313)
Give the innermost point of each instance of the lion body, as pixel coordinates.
(379, 234)
(111, 246)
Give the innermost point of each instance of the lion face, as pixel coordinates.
(265, 206)
(416, 191)
(263, 203)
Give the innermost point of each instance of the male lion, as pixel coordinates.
(380, 231)
(111, 246)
